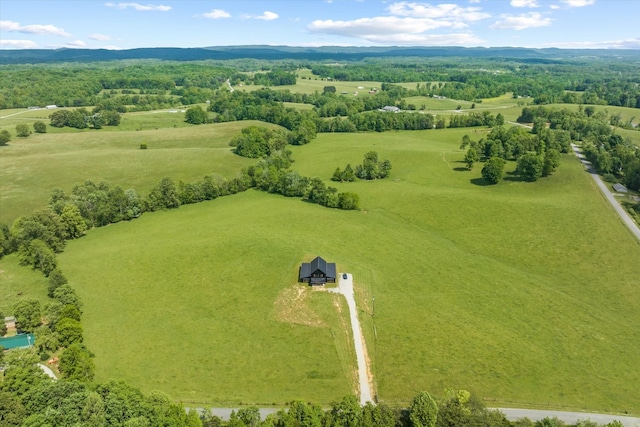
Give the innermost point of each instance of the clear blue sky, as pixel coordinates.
(49, 24)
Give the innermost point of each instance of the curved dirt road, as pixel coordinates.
(631, 225)
(345, 287)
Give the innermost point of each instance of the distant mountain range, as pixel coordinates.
(30, 56)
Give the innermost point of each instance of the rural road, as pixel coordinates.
(345, 287)
(567, 417)
(510, 413)
(631, 225)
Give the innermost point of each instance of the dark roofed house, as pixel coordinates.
(317, 272)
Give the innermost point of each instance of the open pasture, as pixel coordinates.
(31, 167)
(18, 282)
(523, 293)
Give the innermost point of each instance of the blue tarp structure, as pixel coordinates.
(18, 341)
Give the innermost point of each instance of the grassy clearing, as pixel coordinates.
(18, 282)
(31, 167)
(523, 293)
(218, 323)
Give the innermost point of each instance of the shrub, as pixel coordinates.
(40, 127)
(609, 177)
(22, 130)
(143, 146)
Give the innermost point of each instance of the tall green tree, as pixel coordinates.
(72, 221)
(196, 115)
(551, 162)
(56, 279)
(38, 255)
(493, 170)
(5, 137)
(22, 130)
(423, 411)
(40, 127)
(28, 314)
(530, 166)
(76, 363)
(471, 157)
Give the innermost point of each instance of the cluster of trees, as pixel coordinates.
(547, 81)
(80, 118)
(196, 116)
(256, 142)
(608, 151)
(30, 398)
(537, 154)
(370, 168)
(476, 119)
(273, 174)
(276, 77)
(76, 85)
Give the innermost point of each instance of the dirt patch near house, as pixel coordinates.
(292, 306)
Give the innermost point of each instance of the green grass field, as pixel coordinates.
(523, 293)
(18, 282)
(31, 167)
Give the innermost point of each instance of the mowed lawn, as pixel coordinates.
(525, 293)
(31, 167)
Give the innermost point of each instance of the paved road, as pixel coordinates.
(631, 225)
(345, 287)
(567, 417)
(510, 413)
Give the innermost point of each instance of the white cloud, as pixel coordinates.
(99, 37)
(76, 43)
(33, 29)
(267, 16)
(217, 14)
(521, 22)
(525, 3)
(451, 12)
(578, 3)
(379, 26)
(138, 6)
(407, 24)
(393, 29)
(17, 44)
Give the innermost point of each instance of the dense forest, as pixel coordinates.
(157, 78)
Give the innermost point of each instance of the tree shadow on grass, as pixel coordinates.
(513, 177)
(461, 169)
(480, 182)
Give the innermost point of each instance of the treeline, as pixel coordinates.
(79, 85)
(273, 172)
(577, 82)
(80, 118)
(610, 154)
(265, 105)
(29, 398)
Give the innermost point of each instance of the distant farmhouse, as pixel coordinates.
(317, 272)
(390, 109)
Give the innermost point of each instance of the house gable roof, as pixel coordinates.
(318, 265)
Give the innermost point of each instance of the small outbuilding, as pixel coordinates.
(390, 109)
(620, 188)
(317, 272)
